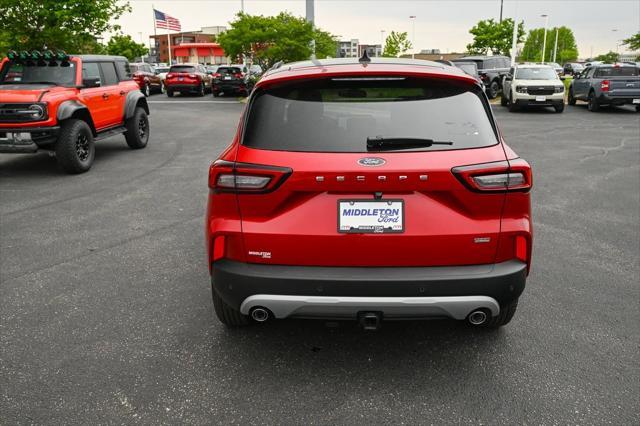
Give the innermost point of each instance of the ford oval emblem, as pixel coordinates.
(371, 161)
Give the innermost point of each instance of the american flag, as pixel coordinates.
(167, 22)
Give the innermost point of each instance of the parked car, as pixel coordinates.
(470, 68)
(50, 101)
(229, 80)
(572, 68)
(532, 85)
(606, 84)
(211, 69)
(187, 78)
(146, 77)
(492, 69)
(557, 68)
(368, 191)
(162, 72)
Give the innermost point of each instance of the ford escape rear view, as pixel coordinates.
(368, 191)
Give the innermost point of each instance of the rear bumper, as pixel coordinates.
(343, 291)
(234, 86)
(618, 100)
(24, 140)
(182, 87)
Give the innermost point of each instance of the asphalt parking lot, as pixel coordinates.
(106, 313)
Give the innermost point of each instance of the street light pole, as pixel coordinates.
(413, 38)
(617, 49)
(544, 40)
(142, 42)
(555, 48)
(501, 4)
(382, 41)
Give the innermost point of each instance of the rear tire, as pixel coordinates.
(75, 149)
(493, 89)
(503, 100)
(170, 93)
(201, 90)
(512, 106)
(637, 108)
(504, 317)
(571, 99)
(226, 314)
(593, 105)
(216, 94)
(137, 134)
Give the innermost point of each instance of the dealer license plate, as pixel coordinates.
(370, 216)
(636, 101)
(541, 98)
(227, 77)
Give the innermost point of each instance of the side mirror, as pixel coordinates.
(508, 77)
(91, 82)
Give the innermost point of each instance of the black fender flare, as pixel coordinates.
(75, 109)
(134, 99)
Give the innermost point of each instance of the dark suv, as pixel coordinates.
(491, 70)
(229, 80)
(63, 104)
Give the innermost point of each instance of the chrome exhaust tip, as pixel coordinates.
(260, 314)
(478, 317)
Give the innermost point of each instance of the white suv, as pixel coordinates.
(532, 85)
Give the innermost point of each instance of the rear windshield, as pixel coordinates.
(338, 115)
(229, 70)
(617, 72)
(182, 68)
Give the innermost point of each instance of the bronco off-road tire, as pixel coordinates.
(137, 134)
(75, 149)
(226, 314)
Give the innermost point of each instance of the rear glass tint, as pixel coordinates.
(617, 72)
(338, 115)
(228, 70)
(182, 68)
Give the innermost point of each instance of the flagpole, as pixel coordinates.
(155, 34)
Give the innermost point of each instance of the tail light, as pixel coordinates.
(170, 75)
(193, 76)
(226, 176)
(604, 85)
(500, 176)
(219, 247)
(216, 75)
(238, 75)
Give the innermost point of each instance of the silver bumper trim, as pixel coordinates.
(456, 307)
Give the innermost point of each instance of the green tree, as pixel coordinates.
(269, 39)
(633, 42)
(494, 37)
(396, 44)
(609, 57)
(72, 25)
(567, 49)
(124, 45)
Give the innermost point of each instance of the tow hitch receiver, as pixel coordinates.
(370, 320)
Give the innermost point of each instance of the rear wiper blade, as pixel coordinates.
(379, 143)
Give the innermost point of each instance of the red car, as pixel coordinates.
(187, 78)
(370, 190)
(146, 77)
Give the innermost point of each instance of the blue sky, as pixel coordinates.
(442, 24)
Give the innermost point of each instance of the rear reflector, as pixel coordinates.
(500, 176)
(226, 176)
(218, 247)
(521, 248)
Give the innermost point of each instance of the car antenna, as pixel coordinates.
(364, 59)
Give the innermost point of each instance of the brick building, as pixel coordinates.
(208, 51)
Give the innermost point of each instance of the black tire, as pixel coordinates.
(493, 89)
(559, 108)
(571, 100)
(593, 105)
(216, 94)
(504, 317)
(137, 134)
(170, 93)
(146, 90)
(637, 108)
(201, 90)
(503, 100)
(512, 106)
(75, 148)
(226, 314)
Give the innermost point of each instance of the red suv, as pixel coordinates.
(187, 78)
(50, 101)
(368, 190)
